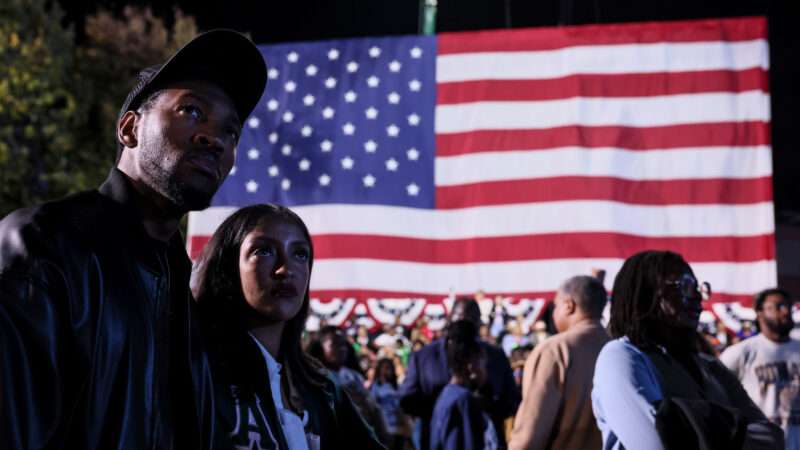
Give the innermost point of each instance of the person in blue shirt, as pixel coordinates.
(652, 388)
(459, 422)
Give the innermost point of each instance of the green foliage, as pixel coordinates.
(59, 102)
(38, 112)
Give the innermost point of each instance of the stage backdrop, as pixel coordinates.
(507, 161)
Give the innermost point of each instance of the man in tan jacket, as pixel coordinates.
(556, 408)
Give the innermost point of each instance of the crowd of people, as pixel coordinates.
(111, 339)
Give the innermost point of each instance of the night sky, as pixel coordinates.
(270, 21)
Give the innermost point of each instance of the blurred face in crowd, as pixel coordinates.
(181, 145)
(274, 268)
(334, 351)
(478, 374)
(775, 315)
(680, 299)
(466, 311)
(563, 307)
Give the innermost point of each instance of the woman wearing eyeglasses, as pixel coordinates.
(653, 389)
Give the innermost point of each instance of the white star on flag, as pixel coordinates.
(373, 81)
(273, 137)
(414, 85)
(370, 146)
(348, 129)
(253, 153)
(374, 52)
(413, 154)
(368, 180)
(272, 73)
(328, 112)
(273, 170)
(416, 52)
(326, 145)
(371, 113)
(333, 54)
(395, 65)
(292, 57)
(330, 82)
(272, 105)
(286, 184)
(394, 98)
(308, 100)
(347, 163)
(311, 70)
(251, 186)
(391, 164)
(413, 120)
(288, 116)
(350, 96)
(286, 149)
(352, 66)
(253, 122)
(304, 164)
(306, 131)
(412, 190)
(324, 179)
(392, 130)
(290, 86)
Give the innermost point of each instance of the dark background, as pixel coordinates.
(270, 21)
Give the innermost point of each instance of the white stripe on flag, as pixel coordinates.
(524, 219)
(516, 276)
(634, 112)
(603, 59)
(684, 163)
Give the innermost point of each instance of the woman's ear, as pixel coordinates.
(127, 128)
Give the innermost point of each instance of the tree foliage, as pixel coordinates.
(38, 111)
(59, 101)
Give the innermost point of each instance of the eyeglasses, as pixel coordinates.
(688, 286)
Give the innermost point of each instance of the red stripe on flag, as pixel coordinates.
(622, 85)
(731, 30)
(362, 295)
(650, 192)
(631, 138)
(539, 247)
(196, 244)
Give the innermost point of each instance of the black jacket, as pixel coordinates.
(247, 416)
(99, 343)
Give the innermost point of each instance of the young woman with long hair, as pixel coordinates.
(251, 284)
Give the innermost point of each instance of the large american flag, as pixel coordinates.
(507, 161)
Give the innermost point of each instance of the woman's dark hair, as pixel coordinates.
(218, 289)
(462, 346)
(635, 297)
(392, 380)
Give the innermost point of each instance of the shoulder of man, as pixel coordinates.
(40, 231)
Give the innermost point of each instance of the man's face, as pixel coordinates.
(466, 311)
(776, 315)
(561, 311)
(185, 143)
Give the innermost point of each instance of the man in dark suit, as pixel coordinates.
(428, 373)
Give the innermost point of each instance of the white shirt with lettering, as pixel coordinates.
(293, 426)
(770, 373)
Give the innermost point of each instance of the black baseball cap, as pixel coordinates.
(224, 57)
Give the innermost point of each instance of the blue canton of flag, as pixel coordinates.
(348, 121)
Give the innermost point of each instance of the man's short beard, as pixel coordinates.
(161, 179)
(779, 328)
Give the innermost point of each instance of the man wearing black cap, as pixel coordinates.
(99, 341)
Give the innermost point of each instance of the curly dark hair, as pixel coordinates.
(635, 297)
(217, 287)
